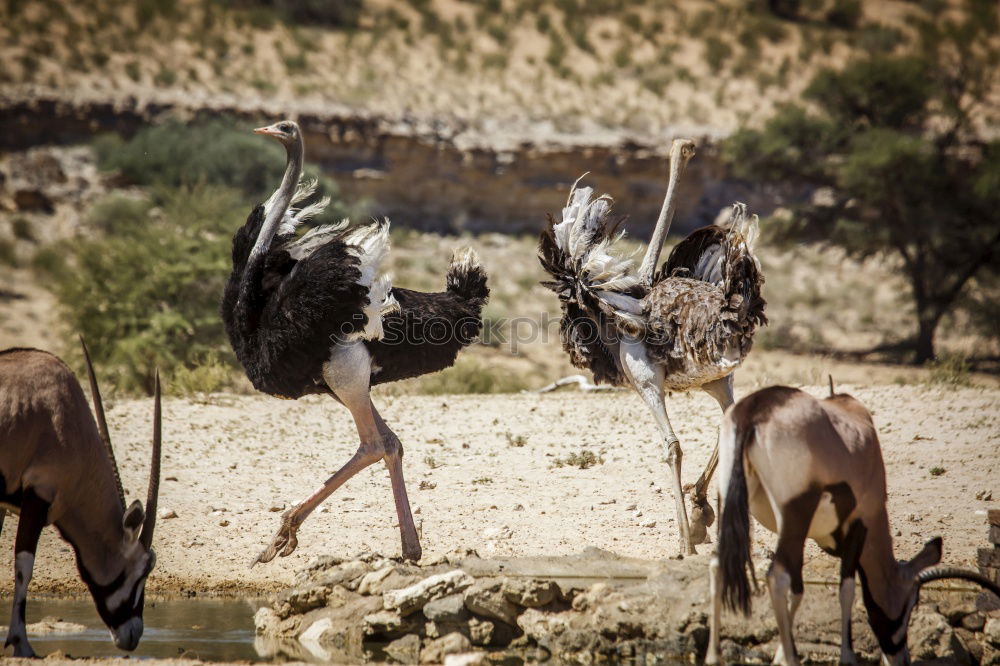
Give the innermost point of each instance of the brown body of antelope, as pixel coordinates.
(57, 468)
(808, 468)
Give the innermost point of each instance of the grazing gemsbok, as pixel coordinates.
(57, 467)
(808, 468)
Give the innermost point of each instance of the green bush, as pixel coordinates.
(145, 294)
(337, 14)
(845, 14)
(217, 153)
(716, 53)
(470, 376)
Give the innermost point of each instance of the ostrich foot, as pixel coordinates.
(702, 516)
(284, 541)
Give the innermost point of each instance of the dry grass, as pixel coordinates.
(646, 66)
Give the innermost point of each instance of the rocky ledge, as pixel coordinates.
(593, 606)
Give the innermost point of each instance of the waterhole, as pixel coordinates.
(208, 629)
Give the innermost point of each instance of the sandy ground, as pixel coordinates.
(232, 462)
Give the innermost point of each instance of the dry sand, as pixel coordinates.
(231, 462)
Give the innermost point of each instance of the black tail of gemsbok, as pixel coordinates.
(734, 532)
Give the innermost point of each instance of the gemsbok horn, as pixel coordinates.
(57, 468)
(808, 468)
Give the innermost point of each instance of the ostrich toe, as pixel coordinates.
(284, 541)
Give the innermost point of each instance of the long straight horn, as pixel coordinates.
(830, 377)
(102, 422)
(146, 537)
(941, 573)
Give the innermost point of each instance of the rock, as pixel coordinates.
(314, 632)
(529, 593)
(538, 625)
(480, 631)
(485, 598)
(446, 609)
(436, 650)
(405, 650)
(974, 647)
(51, 626)
(931, 637)
(974, 621)
(389, 624)
(317, 565)
(410, 599)
(734, 653)
(439, 629)
(266, 622)
(348, 574)
(466, 659)
(498, 533)
(302, 599)
(370, 581)
(167, 514)
(991, 628)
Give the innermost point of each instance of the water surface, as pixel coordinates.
(209, 629)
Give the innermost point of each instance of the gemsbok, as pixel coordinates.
(808, 468)
(57, 468)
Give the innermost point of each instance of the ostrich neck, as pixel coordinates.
(280, 200)
(649, 262)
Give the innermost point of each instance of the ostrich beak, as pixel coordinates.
(270, 130)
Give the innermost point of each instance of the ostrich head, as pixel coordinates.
(681, 152)
(285, 131)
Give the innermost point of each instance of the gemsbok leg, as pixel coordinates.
(29, 529)
(851, 553)
(784, 577)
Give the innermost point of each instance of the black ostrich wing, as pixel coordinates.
(695, 256)
(318, 303)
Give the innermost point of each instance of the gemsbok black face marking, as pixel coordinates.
(44, 417)
(817, 464)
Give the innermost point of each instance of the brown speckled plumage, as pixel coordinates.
(701, 325)
(698, 318)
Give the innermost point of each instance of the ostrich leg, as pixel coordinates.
(394, 461)
(347, 373)
(702, 514)
(647, 379)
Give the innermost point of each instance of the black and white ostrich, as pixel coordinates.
(686, 326)
(312, 314)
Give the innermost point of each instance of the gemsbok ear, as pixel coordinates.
(132, 520)
(928, 556)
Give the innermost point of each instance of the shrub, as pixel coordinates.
(716, 53)
(21, 227)
(470, 376)
(338, 14)
(581, 460)
(213, 153)
(845, 14)
(145, 294)
(8, 255)
(950, 370)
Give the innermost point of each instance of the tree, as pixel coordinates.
(895, 149)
